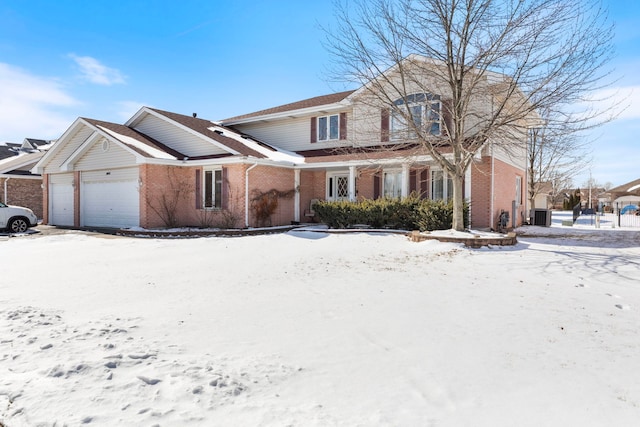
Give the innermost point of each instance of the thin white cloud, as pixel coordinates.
(624, 101)
(32, 106)
(126, 109)
(94, 71)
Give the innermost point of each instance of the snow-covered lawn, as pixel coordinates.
(316, 329)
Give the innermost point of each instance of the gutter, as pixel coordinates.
(246, 194)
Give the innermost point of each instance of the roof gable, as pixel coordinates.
(305, 104)
(203, 134)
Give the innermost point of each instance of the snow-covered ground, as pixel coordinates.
(316, 329)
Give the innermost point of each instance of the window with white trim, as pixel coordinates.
(441, 185)
(424, 110)
(212, 185)
(392, 184)
(328, 127)
(518, 190)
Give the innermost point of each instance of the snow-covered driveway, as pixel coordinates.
(312, 329)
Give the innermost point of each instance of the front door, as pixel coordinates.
(338, 187)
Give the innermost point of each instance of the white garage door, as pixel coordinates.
(110, 198)
(61, 199)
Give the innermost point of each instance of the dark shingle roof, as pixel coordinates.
(138, 136)
(305, 103)
(202, 127)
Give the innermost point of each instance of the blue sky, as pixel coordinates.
(105, 59)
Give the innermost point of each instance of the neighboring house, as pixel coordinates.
(18, 185)
(162, 168)
(625, 194)
(543, 197)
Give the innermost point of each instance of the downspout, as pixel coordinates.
(5, 190)
(246, 194)
(491, 217)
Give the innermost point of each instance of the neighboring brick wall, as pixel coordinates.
(504, 192)
(23, 192)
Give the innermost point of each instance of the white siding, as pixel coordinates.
(126, 174)
(96, 158)
(67, 149)
(292, 134)
(61, 210)
(110, 198)
(179, 139)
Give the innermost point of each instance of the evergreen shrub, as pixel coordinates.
(411, 213)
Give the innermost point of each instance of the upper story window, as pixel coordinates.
(328, 127)
(424, 111)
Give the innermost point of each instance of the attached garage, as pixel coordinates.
(61, 199)
(110, 198)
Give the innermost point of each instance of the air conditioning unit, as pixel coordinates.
(541, 217)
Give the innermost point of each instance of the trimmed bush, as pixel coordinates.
(411, 213)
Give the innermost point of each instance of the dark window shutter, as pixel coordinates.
(377, 180)
(198, 189)
(412, 181)
(314, 130)
(225, 189)
(446, 123)
(343, 125)
(424, 184)
(384, 125)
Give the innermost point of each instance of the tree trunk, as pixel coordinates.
(458, 202)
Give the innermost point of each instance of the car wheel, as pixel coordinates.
(18, 225)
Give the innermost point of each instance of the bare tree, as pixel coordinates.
(493, 63)
(556, 153)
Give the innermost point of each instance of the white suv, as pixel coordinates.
(16, 219)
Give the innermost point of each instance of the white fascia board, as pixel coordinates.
(187, 129)
(19, 161)
(67, 165)
(365, 162)
(11, 176)
(51, 152)
(99, 132)
(137, 116)
(321, 109)
(138, 144)
(221, 161)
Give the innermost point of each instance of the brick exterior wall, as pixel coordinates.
(504, 192)
(265, 178)
(23, 192)
(162, 186)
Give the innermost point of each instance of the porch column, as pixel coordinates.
(352, 183)
(467, 192)
(405, 180)
(296, 197)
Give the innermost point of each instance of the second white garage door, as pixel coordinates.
(110, 198)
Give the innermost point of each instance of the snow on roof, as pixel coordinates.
(153, 152)
(267, 150)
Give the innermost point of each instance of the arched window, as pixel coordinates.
(424, 109)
